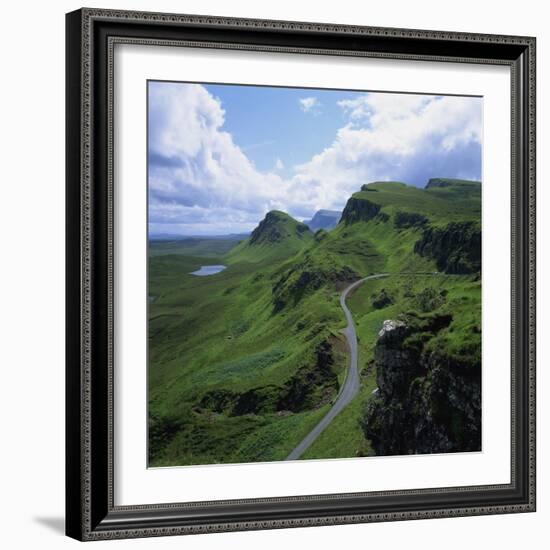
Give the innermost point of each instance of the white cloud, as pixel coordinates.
(197, 174)
(201, 181)
(356, 108)
(310, 105)
(399, 137)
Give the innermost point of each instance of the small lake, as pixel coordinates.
(208, 270)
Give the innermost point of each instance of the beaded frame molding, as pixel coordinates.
(91, 37)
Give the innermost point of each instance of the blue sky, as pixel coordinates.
(270, 123)
(221, 156)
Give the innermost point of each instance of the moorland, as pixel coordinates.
(245, 363)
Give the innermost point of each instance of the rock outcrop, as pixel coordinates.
(382, 299)
(311, 386)
(358, 209)
(303, 278)
(456, 248)
(428, 401)
(406, 220)
(449, 182)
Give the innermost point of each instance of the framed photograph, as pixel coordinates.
(300, 274)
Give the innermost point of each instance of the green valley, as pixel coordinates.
(245, 363)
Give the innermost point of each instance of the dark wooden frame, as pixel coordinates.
(90, 510)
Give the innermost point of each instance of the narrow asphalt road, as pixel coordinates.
(351, 384)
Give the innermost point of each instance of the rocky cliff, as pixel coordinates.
(358, 209)
(406, 220)
(450, 182)
(428, 399)
(456, 248)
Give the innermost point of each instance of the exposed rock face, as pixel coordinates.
(405, 220)
(397, 364)
(448, 182)
(303, 278)
(367, 187)
(382, 299)
(427, 401)
(455, 248)
(311, 386)
(256, 401)
(357, 210)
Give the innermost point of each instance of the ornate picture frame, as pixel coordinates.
(91, 509)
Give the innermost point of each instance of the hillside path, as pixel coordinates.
(351, 384)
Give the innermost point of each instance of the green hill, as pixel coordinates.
(277, 236)
(244, 363)
(388, 219)
(457, 200)
(390, 227)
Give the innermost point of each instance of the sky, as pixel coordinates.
(221, 156)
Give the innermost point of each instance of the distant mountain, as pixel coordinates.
(324, 219)
(278, 235)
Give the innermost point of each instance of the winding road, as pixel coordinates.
(351, 385)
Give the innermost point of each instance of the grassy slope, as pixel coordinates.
(460, 201)
(220, 332)
(457, 202)
(377, 245)
(463, 299)
(282, 238)
(197, 247)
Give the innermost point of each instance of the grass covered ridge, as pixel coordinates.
(244, 363)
